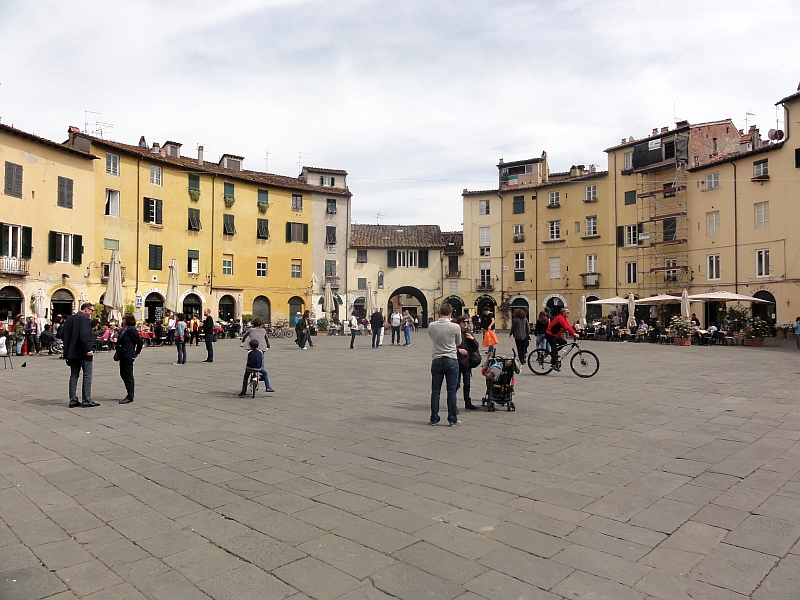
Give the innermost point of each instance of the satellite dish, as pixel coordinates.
(771, 134)
(630, 139)
(779, 135)
(775, 134)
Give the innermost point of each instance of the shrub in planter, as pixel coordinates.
(262, 208)
(229, 200)
(682, 329)
(757, 329)
(194, 195)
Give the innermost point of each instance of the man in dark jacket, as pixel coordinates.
(78, 351)
(376, 322)
(466, 349)
(208, 333)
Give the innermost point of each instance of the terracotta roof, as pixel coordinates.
(190, 164)
(533, 186)
(396, 236)
(480, 192)
(650, 137)
(519, 163)
(789, 97)
(320, 170)
(454, 242)
(732, 156)
(45, 142)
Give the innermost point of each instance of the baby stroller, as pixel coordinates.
(499, 372)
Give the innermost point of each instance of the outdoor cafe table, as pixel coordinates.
(147, 336)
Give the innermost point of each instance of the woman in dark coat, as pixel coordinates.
(521, 332)
(129, 345)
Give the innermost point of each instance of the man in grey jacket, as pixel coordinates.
(79, 352)
(446, 336)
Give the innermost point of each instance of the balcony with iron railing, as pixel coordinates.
(12, 265)
(519, 237)
(591, 279)
(484, 285)
(333, 280)
(104, 277)
(453, 273)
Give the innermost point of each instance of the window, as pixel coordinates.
(362, 283)
(669, 150)
(712, 260)
(797, 158)
(194, 219)
(591, 193)
(762, 263)
(330, 268)
(63, 247)
(671, 274)
(407, 258)
(227, 264)
(65, 186)
(297, 202)
(228, 190)
(712, 181)
(519, 266)
(630, 272)
(555, 267)
(193, 266)
(297, 232)
(712, 223)
(109, 244)
(631, 235)
(11, 238)
(112, 203)
(263, 197)
(330, 206)
(519, 233)
(591, 225)
(627, 161)
(762, 215)
(261, 266)
(153, 211)
(262, 229)
(554, 199)
(13, 181)
(154, 257)
(194, 182)
(577, 226)
(330, 235)
(484, 236)
(630, 197)
(454, 287)
(483, 207)
(485, 251)
(329, 181)
(361, 256)
(485, 273)
(112, 164)
(518, 205)
(591, 263)
(156, 174)
(761, 168)
(297, 269)
(554, 228)
(670, 228)
(228, 225)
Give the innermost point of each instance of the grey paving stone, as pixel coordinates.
(585, 585)
(346, 555)
(664, 515)
(61, 554)
(765, 534)
(497, 586)
(246, 583)
(602, 564)
(720, 516)
(376, 536)
(590, 538)
(141, 571)
(526, 539)
(694, 536)
(31, 583)
(405, 582)
(366, 592)
(403, 520)
(286, 529)
(672, 560)
(440, 563)
(118, 552)
(201, 562)
(782, 583)
(780, 507)
(143, 525)
(170, 586)
(526, 567)
(736, 569)
(88, 577)
(261, 550)
(325, 517)
(124, 591)
(666, 586)
(621, 505)
(458, 541)
(35, 533)
(172, 542)
(317, 579)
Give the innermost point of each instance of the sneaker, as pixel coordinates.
(472, 407)
(242, 394)
(434, 422)
(176, 363)
(269, 390)
(455, 424)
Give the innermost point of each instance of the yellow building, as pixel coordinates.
(48, 225)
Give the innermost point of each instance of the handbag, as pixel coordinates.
(489, 338)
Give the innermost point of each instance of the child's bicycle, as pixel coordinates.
(255, 375)
(583, 362)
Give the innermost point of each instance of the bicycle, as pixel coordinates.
(583, 363)
(255, 375)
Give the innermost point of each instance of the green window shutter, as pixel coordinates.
(194, 182)
(263, 196)
(52, 242)
(305, 233)
(288, 231)
(8, 188)
(519, 275)
(160, 256)
(194, 254)
(262, 229)
(630, 197)
(27, 241)
(18, 181)
(519, 205)
(194, 219)
(228, 190)
(156, 254)
(60, 199)
(77, 249)
(2, 241)
(423, 259)
(391, 258)
(159, 212)
(68, 188)
(147, 212)
(620, 236)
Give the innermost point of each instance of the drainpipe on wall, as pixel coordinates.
(138, 228)
(502, 254)
(536, 246)
(735, 232)
(616, 224)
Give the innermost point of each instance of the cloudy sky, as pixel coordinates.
(415, 99)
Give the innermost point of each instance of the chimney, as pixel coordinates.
(623, 140)
(573, 171)
(142, 142)
(664, 129)
(683, 123)
(465, 191)
(755, 135)
(156, 148)
(199, 156)
(501, 161)
(655, 131)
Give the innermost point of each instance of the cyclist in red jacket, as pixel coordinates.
(553, 335)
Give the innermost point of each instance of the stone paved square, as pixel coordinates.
(673, 473)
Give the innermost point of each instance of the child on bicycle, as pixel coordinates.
(255, 362)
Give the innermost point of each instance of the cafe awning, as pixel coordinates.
(337, 298)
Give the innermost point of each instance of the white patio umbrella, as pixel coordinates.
(369, 303)
(685, 308)
(239, 306)
(615, 301)
(659, 300)
(113, 298)
(173, 287)
(328, 303)
(583, 310)
(39, 308)
(631, 311)
(724, 297)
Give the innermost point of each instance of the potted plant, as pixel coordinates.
(194, 195)
(756, 331)
(322, 326)
(262, 207)
(781, 330)
(682, 330)
(229, 200)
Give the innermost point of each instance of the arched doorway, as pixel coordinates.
(594, 312)
(765, 310)
(359, 306)
(405, 297)
(457, 304)
(520, 302)
(262, 309)
(62, 303)
(192, 305)
(10, 303)
(227, 308)
(483, 301)
(153, 307)
(296, 305)
(555, 303)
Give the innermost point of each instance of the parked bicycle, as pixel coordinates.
(280, 330)
(583, 362)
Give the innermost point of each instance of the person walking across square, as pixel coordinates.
(129, 346)
(79, 353)
(353, 329)
(208, 334)
(376, 324)
(181, 333)
(446, 337)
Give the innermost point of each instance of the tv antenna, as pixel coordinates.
(266, 160)
(747, 115)
(300, 160)
(378, 218)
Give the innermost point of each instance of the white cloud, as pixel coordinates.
(417, 100)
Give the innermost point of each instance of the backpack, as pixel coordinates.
(474, 358)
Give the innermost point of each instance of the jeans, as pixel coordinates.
(126, 373)
(353, 334)
(555, 345)
(246, 378)
(210, 347)
(407, 331)
(465, 376)
(19, 347)
(33, 344)
(541, 342)
(444, 368)
(376, 337)
(75, 367)
(170, 336)
(396, 331)
(181, 345)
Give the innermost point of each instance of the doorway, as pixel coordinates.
(154, 307)
(227, 308)
(62, 303)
